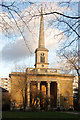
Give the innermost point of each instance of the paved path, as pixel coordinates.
(77, 113)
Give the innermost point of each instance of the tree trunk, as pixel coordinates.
(25, 100)
(79, 91)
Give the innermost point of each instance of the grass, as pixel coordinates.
(37, 115)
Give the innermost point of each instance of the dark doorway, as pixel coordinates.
(53, 93)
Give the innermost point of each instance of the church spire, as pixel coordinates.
(41, 34)
(41, 52)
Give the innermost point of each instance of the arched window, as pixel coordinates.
(42, 58)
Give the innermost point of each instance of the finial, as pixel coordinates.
(41, 9)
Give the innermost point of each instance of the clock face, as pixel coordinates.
(42, 65)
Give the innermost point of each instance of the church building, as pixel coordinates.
(41, 87)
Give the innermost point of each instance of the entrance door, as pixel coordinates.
(53, 93)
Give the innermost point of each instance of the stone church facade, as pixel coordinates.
(53, 85)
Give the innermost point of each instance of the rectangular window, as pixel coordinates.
(42, 59)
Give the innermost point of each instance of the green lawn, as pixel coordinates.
(17, 114)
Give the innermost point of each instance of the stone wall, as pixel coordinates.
(64, 87)
(17, 88)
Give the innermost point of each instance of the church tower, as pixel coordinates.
(41, 53)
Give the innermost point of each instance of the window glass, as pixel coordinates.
(42, 58)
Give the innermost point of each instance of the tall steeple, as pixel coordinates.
(41, 33)
(41, 53)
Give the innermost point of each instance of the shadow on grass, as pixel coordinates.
(7, 115)
(40, 119)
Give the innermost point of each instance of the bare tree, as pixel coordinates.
(16, 16)
(19, 87)
(13, 16)
(70, 62)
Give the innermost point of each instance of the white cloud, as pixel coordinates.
(53, 39)
(18, 49)
(15, 51)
